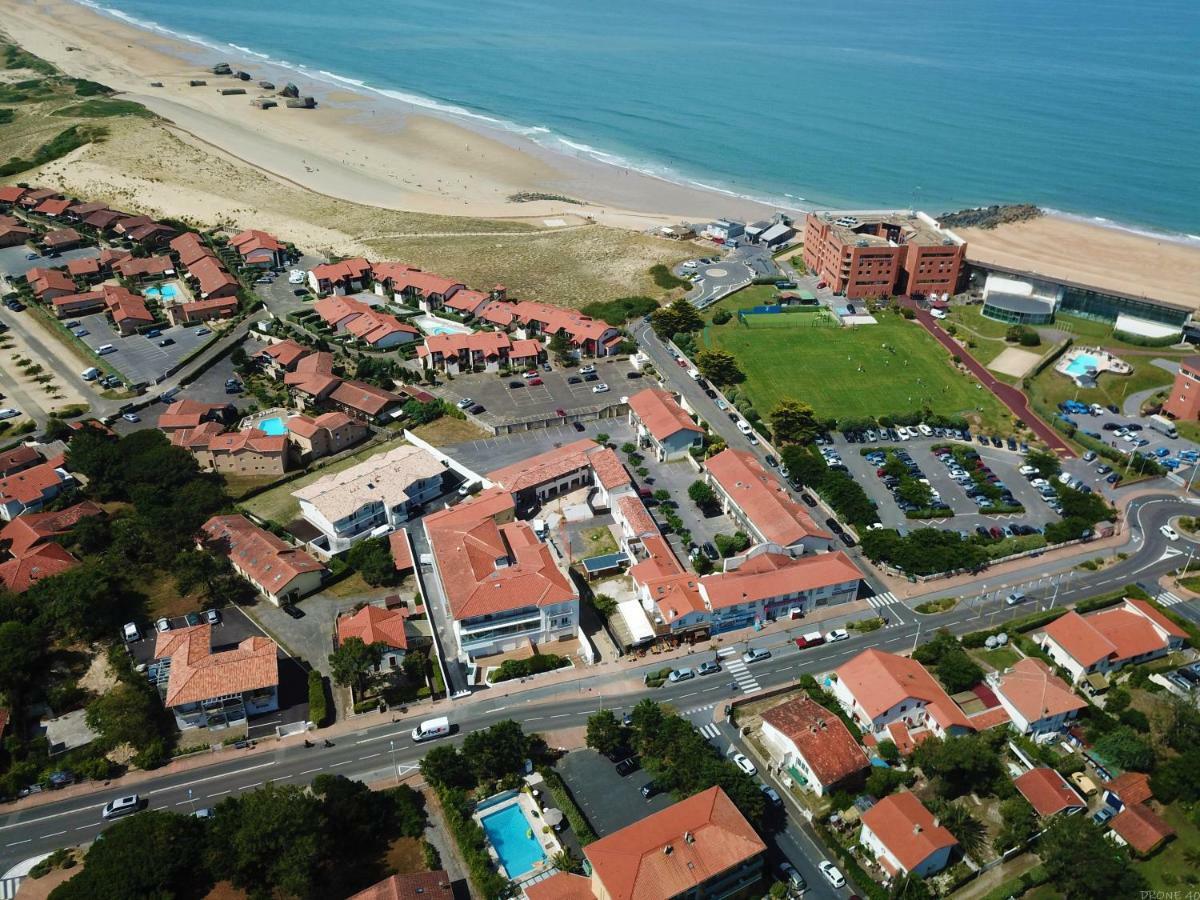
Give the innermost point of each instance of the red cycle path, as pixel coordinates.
(1017, 402)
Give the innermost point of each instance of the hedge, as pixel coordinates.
(566, 802)
(472, 844)
(522, 668)
(317, 709)
(1037, 620)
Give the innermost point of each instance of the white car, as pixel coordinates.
(600, 388)
(587, 370)
(938, 313)
(1169, 533)
(131, 633)
(163, 624)
(744, 426)
(9, 413)
(295, 277)
(465, 402)
(131, 417)
(201, 332)
(831, 873)
(838, 634)
(122, 806)
(721, 404)
(744, 764)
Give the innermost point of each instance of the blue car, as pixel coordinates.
(1170, 464)
(1102, 816)
(1162, 452)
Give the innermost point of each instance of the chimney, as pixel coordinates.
(917, 828)
(667, 850)
(689, 838)
(937, 822)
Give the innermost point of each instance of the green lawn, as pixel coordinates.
(820, 366)
(1166, 870)
(1050, 388)
(1089, 330)
(1000, 658)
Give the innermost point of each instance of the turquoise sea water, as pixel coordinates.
(1086, 106)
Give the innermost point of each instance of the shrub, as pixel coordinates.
(317, 711)
(522, 668)
(566, 802)
(721, 316)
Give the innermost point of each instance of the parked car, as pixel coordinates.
(709, 668)
(1102, 815)
(192, 619)
(131, 417)
(122, 806)
(131, 633)
(1086, 786)
(294, 611)
(814, 639)
(212, 617)
(831, 873)
(837, 634)
(628, 766)
(600, 388)
(796, 885)
(650, 789)
(678, 675)
(163, 624)
(574, 379)
(535, 381)
(744, 764)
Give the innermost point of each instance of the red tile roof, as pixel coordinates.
(1119, 633)
(415, 886)
(29, 485)
(1036, 692)
(24, 532)
(467, 301)
(786, 575)
(486, 567)
(661, 414)
(287, 352)
(560, 886)
(19, 573)
(61, 237)
(633, 863)
(344, 271)
(635, 513)
(255, 243)
(400, 278)
(779, 518)
(89, 265)
(820, 737)
(1047, 791)
(1155, 616)
(562, 461)
(150, 266)
(491, 344)
(374, 625)
(364, 398)
(43, 280)
(197, 673)
(53, 207)
(360, 319)
(11, 193)
(552, 319)
(879, 681)
(907, 829)
(1131, 787)
(211, 275)
(190, 248)
(268, 560)
(676, 596)
(401, 550)
(1141, 828)
(187, 414)
(18, 458)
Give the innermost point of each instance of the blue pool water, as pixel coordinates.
(166, 292)
(508, 833)
(1081, 363)
(273, 426)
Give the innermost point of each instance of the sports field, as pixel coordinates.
(891, 368)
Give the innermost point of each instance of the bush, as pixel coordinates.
(664, 278)
(317, 711)
(566, 802)
(721, 316)
(522, 668)
(618, 312)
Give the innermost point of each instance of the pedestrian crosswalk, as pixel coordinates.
(879, 601)
(9, 887)
(1166, 598)
(710, 731)
(747, 682)
(698, 709)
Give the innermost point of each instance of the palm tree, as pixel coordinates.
(564, 861)
(968, 830)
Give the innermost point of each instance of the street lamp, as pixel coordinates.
(191, 801)
(394, 766)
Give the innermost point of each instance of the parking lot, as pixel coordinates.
(140, 359)
(488, 454)
(609, 801)
(208, 388)
(514, 397)
(13, 260)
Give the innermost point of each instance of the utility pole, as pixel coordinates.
(916, 637)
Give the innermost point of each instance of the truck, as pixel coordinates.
(1163, 425)
(431, 728)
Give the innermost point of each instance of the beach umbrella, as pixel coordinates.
(553, 817)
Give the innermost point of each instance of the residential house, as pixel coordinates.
(813, 745)
(1127, 789)
(53, 207)
(700, 847)
(484, 351)
(30, 489)
(21, 571)
(1037, 700)
(190, 248)
(88, 268)
(378, 329)
(33, 197)
(203, 688)
(196, 311)
(187, 414)
(662, 424)
(878, 689)
(127, 310)
(62, 239)
(1141, 829)
(378, 494)
(18, 459)
(102, 220)
(724, 230)
(376, 625)
(11, 195)
(585, 336)
(904, 837)
(343, 277)
(505, 588)
(1049, 793)
(760, 505)
(434, 885)
(250, 452)
(324, 435)
(1108, 640)
(466, 302)
(562, 470)
(212, 279)
(428, 291)
(280, 357)
(279, 571)
(30, 551)
(313, 379)
(259, 249)
(69, 305)
(47, 284)
(363, 401)
(77, 212)
(144, 268)
(13, 233)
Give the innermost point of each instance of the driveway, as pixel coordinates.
(208, 388)
(280, 296)
(13, 261)
(309, 638)
(609, 802)
(487, 455)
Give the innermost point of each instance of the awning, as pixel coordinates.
(636, 621)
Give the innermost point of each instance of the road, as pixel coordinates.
(734, 270)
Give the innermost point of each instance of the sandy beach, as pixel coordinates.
(357, 147)
(1093, 255)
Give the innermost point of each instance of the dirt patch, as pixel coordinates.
(404, 856)
(99, 678)
(1014, 362)
(224, 890)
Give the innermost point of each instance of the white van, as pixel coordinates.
(106, 348)
(90, 374)
(1163, 425)
(431, 728)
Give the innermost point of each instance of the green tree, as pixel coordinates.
(127, 713)
(1127, 749)
(1047, 464)
(268, 841)
(497, 751)
(444, 766)
(882, 782)
(702, 495)
(153, 854)
(1083, 864)
(958, 672)
(1020, 824)
(679, 317)
(21, 649)
(560, 346)
(1181, 725)
(804, 466)
(719, 367)
(415, 665)
(970, 833)
(353, 663)
(604, 732)
(910, 887)
(888, 751)
(960, 764)
(794, 423)
(372, 558)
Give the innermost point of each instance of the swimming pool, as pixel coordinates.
(273, 426)
(1081, 364)
(166, 292)
(511, 837)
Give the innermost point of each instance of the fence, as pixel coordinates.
(779, 316)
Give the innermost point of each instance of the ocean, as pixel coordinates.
(1090, 107)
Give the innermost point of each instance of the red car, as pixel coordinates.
(560, 412)
(533, 381)
(815, 639)
(821, 284)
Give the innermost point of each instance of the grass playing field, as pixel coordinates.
(848, 373)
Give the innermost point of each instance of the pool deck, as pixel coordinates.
(252, 421)
(532, 812)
